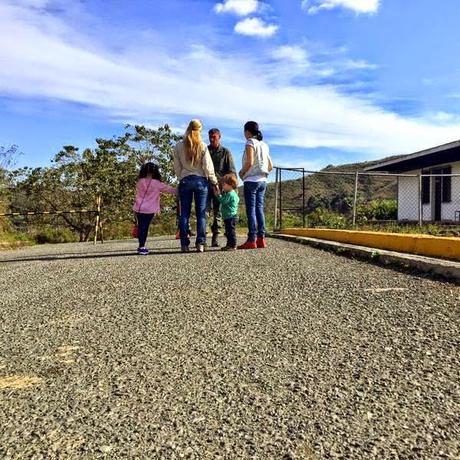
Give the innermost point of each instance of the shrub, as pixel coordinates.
(378, 210)
(11, 237)
(53, 235)
(321, 217)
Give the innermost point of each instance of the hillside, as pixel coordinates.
(360, 166)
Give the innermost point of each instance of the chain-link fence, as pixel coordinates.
(348, 199)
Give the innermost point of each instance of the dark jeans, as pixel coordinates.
(230, 231)
(214, 212)
(193, 188)
(143, 223)
(254, 198)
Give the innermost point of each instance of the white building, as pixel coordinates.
(440, 191)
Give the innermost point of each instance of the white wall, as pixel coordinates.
(448, 209)
(408, 196)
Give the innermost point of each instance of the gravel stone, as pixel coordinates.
(285, 353)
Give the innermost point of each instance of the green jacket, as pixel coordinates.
(223, 161)
(229, 204)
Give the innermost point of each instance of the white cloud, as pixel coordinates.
(443, 117)
(293, 53)
(308, 63)
(255, 27)
(33, 3)
(359, 6)
(286, 160)
(358, 65)
(238, 7)
(155, 85)
(288, 62)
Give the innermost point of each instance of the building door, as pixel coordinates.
(437, 192)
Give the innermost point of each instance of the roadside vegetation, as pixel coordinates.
(76, 179)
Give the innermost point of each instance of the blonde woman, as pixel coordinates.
(194, 169)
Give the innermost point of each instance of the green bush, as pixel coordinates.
(321, 217)
(7, 236)
(242, 219)
(291, 220)
(378, 210)
(53, 235)
(269, 221)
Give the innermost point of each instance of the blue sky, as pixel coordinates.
(330, 81)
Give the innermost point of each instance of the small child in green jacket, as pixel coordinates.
(229, 201)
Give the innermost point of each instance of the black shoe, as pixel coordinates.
(228, 248)
(215, 241)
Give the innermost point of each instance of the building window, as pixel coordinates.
(426, 188)
(446, 185)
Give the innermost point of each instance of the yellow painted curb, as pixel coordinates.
(423, 245)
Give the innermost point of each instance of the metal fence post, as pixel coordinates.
(420, 201)
(281, 200)
(98, 219)
(303, 198)
(355, 197)
(275, 220)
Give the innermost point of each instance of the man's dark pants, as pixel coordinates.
(214, 211)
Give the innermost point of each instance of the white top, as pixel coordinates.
(258, 178)
(259, 170)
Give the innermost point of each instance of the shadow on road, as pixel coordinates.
(48, 258)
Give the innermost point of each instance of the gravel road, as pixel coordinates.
(284, 353)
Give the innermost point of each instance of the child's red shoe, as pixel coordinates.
(248, 245)
(261, 243)
(178, 235)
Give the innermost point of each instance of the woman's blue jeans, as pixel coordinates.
(193, 188)
(254, 198)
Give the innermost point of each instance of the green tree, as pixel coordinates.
(155, 145)
(76, 178)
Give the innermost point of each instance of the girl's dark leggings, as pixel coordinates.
(143, 223)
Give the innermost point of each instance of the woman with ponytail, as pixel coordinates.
(257, 164)
(194, 169)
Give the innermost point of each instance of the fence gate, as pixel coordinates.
(289, 200)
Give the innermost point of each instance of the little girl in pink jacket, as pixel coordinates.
(147, 203)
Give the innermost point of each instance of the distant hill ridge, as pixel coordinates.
(360, 166)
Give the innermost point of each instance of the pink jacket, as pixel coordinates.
(148, 195)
